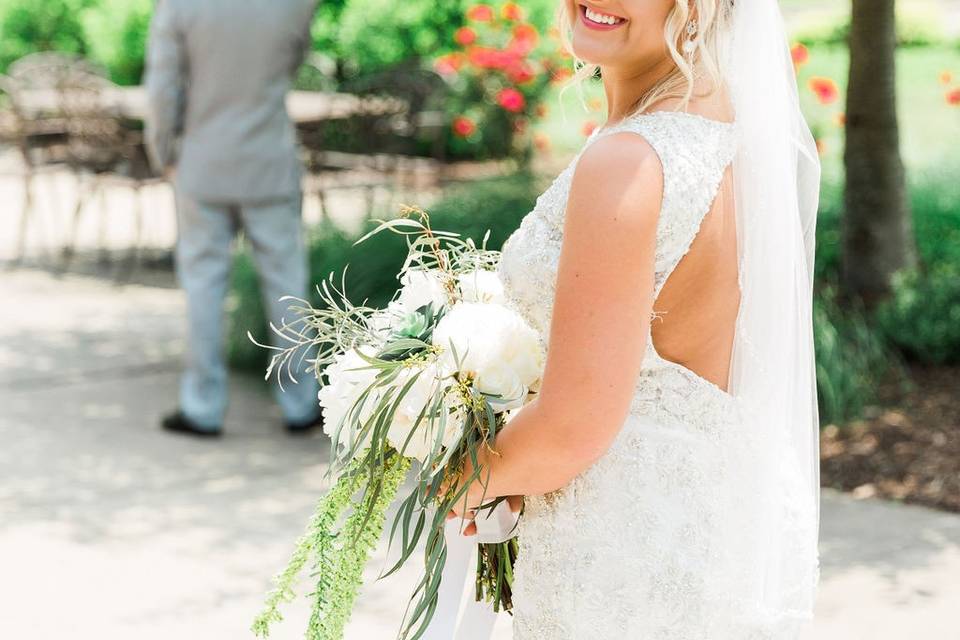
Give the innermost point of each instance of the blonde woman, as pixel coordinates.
(668, 463)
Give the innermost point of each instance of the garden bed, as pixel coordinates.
(907, 451)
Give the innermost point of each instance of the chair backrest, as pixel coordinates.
(48, 69)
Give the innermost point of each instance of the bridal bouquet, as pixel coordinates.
(424, 383)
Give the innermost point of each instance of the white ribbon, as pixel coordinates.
(458, 615)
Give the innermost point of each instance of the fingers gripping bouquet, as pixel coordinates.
(425, 383)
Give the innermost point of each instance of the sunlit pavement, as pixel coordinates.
(111, 529)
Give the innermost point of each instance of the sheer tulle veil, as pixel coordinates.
(777, 178)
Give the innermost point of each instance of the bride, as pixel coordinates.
(669, 463)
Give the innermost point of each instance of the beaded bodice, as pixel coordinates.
(694, 153)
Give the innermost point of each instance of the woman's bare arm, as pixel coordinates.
(598, 336)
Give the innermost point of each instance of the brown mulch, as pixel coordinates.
(909, 450)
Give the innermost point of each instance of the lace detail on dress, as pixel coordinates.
(652, 542)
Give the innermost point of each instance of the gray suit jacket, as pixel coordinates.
(218, 72)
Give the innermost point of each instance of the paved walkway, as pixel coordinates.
(112, 530)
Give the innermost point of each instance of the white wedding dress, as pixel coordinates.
(654, 541)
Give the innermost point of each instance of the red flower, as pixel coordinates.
(465, 36)
(953, 98)
(525, 38)
(946, 78)
(511, 100)
(588, 127)
(464, 126)
(449, 64)
(520, 73)
(800, 55)
(511, 11)
(825, 89)
(490, 58)
(480, 13)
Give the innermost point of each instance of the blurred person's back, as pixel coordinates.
(218, 72)
(235, 63)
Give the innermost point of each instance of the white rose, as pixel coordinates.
(421, 287)
(495, 347)
(418, 400)
(481, 286)
(348, 376)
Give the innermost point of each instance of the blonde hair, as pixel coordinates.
(713, 18)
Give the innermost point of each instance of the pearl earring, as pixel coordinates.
(691, 43)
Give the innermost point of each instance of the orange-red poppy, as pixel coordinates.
(465, 36)
(800, 55)
(511, 11)
(480, 13)
(464, 126)
(825, 89)
(953, 98)
(946, 78)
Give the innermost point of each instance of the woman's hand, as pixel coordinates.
(469, 515)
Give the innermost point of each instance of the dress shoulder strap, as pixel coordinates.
(694, 153)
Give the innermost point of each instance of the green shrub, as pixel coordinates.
(472, 210)
(915, 28)
(923, 317)
(371, 35)
(116, 31)
(498, 79)
(29, 26)
(852, 359)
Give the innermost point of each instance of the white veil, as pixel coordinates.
(776, 178)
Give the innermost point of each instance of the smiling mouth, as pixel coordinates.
(598, 20)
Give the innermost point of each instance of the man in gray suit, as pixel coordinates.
(218, 72)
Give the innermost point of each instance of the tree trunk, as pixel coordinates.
(877, 230)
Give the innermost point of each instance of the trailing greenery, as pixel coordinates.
(338, 555)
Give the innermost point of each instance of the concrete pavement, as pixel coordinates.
(111, 529)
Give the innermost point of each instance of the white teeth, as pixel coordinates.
(601, 18)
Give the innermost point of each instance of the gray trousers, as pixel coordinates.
(205, 237)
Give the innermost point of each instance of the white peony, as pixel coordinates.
(422, 395)
(495, 347)
(348, 376)
(481, 286)
(419, 287)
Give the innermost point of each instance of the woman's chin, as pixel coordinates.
(591, 52)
